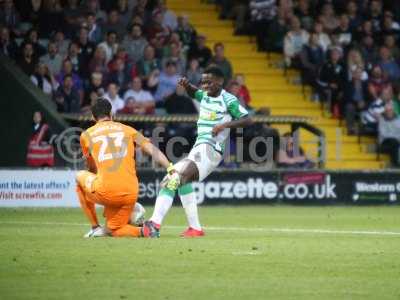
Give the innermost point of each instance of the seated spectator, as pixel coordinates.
(328, 18)
(389, 134)
(354, 16)
(149, 63)
(292, 156)
(114, 24)
(67, 96)
(390, 43)
(200, 51)
(74, 57)
(276, 33)
(355, 98)
(8, 46)
(368, 51)
(92, 6)
(134, 43)
(262, 12)
(311, 58)
(179, 103)
(294, 41)
(67, 70)
(169, 19)
(95, 34)
(32, 37)
(243, 92)
(355, 62)
(219, 59)
(331, 81)
(86, 47)
(167, 82)
(366, 29)
(157, 28)
(112, 96)
(52, 59)
(95, 90)
(119, 74)
(186, 32)
(370, 116)
(389, 25)
(176, 56)
(9, 16)
(40, 152)
(302, 11)
(98, 61)
(343, 31)
(377, 82)
(193, 73)
(388, 64)
(124, 9)
(27, 61)
(323, 39)
(62, 43)
(143, 101)
(110, 45)
(44, 80)
(72, 16)
(233, 87)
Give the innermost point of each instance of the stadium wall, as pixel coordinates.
(19, 99)
(57, 187)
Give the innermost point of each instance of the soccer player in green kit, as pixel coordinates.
(219, 111)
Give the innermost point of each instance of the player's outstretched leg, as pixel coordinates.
(163, 204)
(189, 203)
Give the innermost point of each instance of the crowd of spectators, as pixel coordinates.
(132, 52)
(347, 51)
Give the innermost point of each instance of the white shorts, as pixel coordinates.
(205, 157)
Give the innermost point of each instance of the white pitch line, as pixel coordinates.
(228, 228)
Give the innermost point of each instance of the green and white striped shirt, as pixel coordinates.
(215, 111)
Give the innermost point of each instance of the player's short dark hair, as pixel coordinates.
(215, 71)
(101, 108)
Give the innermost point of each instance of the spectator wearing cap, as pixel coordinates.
(112, 96)
(134, 43)
(167, 81)
(143, 100)
(221, 61)
(110, 45)
(200, 51)
(52, 59)
(8, 46)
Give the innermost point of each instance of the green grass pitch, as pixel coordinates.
(250, 252)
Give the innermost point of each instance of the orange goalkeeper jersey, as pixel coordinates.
(111, 145)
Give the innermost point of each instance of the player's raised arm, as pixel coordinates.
(190, 88)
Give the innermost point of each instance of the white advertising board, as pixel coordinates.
(35, 188)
